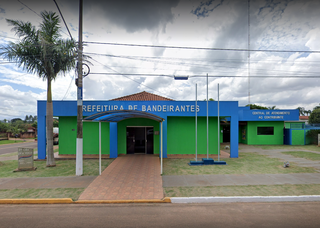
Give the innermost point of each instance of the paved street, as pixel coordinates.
(11, 148)
(297, 214)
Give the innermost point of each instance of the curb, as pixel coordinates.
(244, 199)
(37, 201)
(227, 199)
(70, 201)
(164, 200)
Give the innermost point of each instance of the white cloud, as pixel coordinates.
(289, 25)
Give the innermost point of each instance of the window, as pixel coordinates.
(265, 130)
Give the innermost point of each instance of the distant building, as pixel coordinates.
(304, 119)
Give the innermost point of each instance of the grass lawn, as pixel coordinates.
(247, 163)
(303, 154)
(63, 168)
(252, 190)
(73, 193)
(290, 147)
(9, 155)
(3, 142)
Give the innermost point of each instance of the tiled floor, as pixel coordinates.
(127, 177)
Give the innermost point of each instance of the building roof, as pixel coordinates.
(303, 117)
(142, 96)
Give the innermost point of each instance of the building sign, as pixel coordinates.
(274, 115)
(25, 159)
(269, 115)
(139, 107)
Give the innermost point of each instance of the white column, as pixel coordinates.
(207, 121)
(99, 148)
(218, 126)
(196, 124)
(161, 150)
(79, 157)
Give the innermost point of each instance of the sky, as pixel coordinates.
(283, 39)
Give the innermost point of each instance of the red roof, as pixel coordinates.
(142, 96)
(303, 117)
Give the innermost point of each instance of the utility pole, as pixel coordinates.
(79, 147)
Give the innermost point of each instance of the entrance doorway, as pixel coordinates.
(226, 133)
(139, 140)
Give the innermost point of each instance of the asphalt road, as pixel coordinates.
(295, 214)
(10, 148)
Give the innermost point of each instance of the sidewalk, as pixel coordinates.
(46, 182)
(139, 178)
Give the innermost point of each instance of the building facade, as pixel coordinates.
(142, 134)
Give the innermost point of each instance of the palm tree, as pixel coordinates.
(41, 51)
(302, 111)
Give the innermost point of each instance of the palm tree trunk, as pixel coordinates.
(50, 155)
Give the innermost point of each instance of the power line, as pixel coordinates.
(37, 13)
(163, 61)
(131, 79)
(203, 76)
(29, 8)
(201, 48)
(68, 88)
(63, 19)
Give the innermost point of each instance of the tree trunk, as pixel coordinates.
(50, 154)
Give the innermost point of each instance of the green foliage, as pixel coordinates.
(17, 126)
(30, 119)
(55, 123)
(35, 124)
(41, 51)
(303, 111)
(4, 127)
(315, 116)
(313, 135)
(254, 106)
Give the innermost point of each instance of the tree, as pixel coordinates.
(41, 51)
(26, 119)
(315, 116)
(254, 106)
(308, 112)
(302, 111)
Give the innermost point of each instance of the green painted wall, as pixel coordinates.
(297, 137)
(68, 136)
(181, 135)
(254, 139)
(294, 125)
(122, 133)
(91, 138)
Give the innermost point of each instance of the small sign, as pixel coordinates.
(25, 159)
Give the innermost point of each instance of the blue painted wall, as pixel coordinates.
(164, 109)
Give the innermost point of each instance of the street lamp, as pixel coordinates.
(181, 77)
